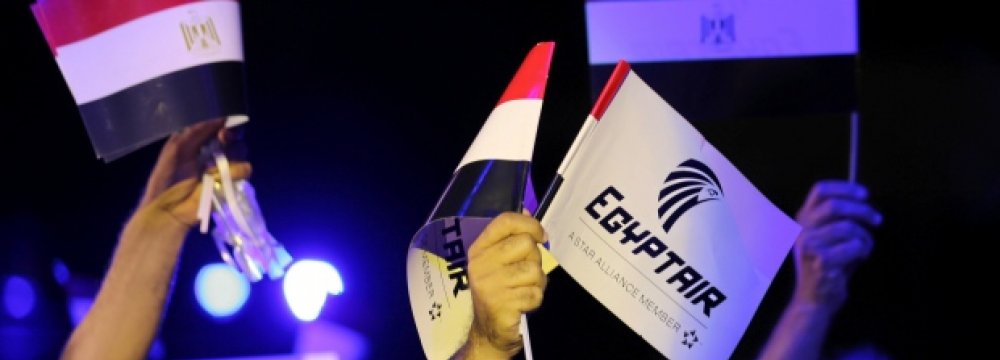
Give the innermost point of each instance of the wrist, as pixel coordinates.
(815, 310)
(152, 223)
(480, 347)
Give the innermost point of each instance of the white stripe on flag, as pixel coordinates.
(581, 137)
(651, 31)
(508, 134)
(151, 46)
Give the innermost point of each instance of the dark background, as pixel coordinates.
(360, 113)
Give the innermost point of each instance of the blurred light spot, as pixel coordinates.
(157, 351)
(306, 286)
(60, 271)
(78, 308)
(18, 296)
(221, 290)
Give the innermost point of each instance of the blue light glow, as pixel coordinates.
(18, 296)
(78, 308)
(60, 271)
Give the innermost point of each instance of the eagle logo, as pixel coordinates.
(692, 183)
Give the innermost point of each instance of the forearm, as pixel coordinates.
(124, 318)
(800, 332)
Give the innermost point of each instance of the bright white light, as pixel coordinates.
(220, 289)
(306, 286)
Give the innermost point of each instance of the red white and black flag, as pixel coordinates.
(140, 70)
(724, 60)
(491, 178)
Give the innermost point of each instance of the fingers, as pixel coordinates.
(837, 209)
(835, 189)
(514, 248)
(190, 140)
(835, 238)
(833, 200)
(524, 273)
(528, 299)
(515, 261)
(506, 318)
(833, 233)
(505, 225)
(848, 252)
(178, 159)
(182, 149)
(240, 170)
(840, 255)
(837, 246)
(231, 135)
(174, 199)
(506, 278)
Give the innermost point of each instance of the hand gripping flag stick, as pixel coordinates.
(490, 179)
(140, 70)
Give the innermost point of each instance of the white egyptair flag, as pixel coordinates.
(665, 232)
(493, 177)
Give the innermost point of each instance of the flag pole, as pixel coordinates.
(526, 337)
(852, 171)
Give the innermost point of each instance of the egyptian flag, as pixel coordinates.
(142, 69)
(491, 178)
(661, 229)
(724, 60)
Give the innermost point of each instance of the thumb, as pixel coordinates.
(178, 200)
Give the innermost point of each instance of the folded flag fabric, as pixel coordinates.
(491, 178)
(142, 69)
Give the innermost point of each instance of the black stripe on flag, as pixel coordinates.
(136, 116)
(484, 188)
(748, 88)
(543, 206)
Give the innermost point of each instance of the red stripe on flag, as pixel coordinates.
(68, 21)
(611, 89)
(529, 81)
(44, 25)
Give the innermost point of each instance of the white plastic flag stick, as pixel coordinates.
(205, 202)
(526, 337)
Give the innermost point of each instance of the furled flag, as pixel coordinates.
(665, 232)
(489, 180)
(140, 70)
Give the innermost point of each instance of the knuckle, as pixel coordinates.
(843, 228)
(522, 244)
(506, 218)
